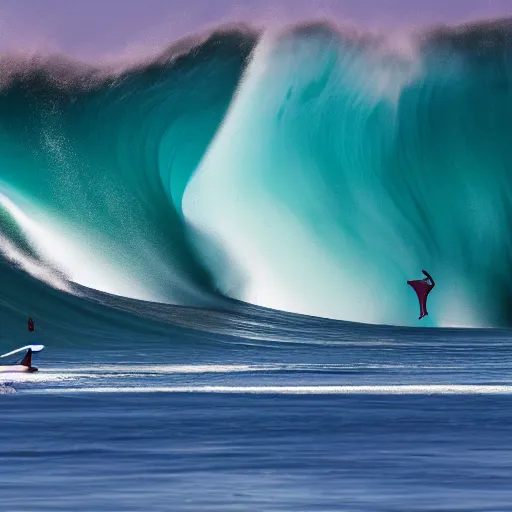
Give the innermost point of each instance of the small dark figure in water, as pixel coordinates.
(31, 327)
(423, 287)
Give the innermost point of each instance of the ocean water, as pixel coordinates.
(327, 416)
(215, 246)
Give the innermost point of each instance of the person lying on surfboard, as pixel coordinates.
(31, 327)
(423, 287)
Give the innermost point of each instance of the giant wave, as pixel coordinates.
(312, 170)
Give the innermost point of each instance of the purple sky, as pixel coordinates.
(93, 28)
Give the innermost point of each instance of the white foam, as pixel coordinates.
(7, 390)
(170, 369)
(43, 377)
(31, 265)
(410, 389)
(127, 369)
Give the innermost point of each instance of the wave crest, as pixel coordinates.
(302, 170)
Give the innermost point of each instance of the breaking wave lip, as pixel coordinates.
(409, 389)
(118, 205)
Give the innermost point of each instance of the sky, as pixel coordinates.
(91, 29)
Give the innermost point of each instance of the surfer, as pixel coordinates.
(31, 327)
(423, 287)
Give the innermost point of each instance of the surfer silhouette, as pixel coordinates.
(31, 327)
(423, 287)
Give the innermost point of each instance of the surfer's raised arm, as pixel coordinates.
(429, 277)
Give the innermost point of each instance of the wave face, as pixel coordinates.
(311, 171)
(93, 167)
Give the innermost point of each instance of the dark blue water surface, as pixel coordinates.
(295, 414)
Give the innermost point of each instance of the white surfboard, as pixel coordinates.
(26, 363)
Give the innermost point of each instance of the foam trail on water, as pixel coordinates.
(428, 389)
